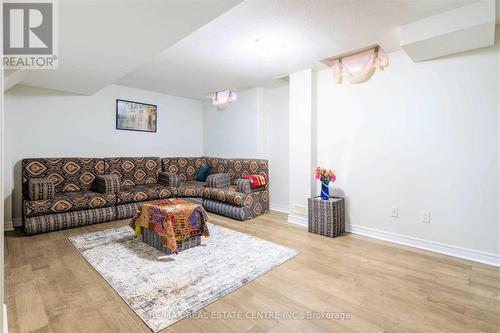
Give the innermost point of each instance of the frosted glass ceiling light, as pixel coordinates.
(222, 99)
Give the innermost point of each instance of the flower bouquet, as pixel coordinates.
(325, 176)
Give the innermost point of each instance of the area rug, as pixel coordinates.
(164, 290)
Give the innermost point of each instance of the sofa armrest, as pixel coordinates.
(41, 189)
(219, 180)
(109, 184)
(243, 186)
(169, 179)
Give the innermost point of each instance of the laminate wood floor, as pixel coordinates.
(373, 285)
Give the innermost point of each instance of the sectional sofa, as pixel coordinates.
(61, 193)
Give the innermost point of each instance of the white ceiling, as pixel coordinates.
(100, 41)
(459, 30)
(192, 48)
(223, 54)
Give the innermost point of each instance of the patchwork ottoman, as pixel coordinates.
(170, 225)
(153, 239)
(326, 217)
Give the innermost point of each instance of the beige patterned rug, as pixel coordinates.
(163, 291)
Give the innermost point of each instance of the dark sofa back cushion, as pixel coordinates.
(68, 174)
(238, 167)
(133, 170)
(184, 167)
(218, 165)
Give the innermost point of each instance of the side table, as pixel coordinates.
(326, 217)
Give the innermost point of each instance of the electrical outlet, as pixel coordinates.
(395, 212)
(425, 216)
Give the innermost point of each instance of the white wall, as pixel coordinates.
(418, 136)
(48, 123)
(255, 126)
(415, 136)
(235, 131)
(302, 146)
(276, 151)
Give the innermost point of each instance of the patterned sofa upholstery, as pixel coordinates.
(229, 201)
(222, 199)
(60, 193)
(72, 201)
(184, 170)
(243, 167)
(184, 167)
(138, 181)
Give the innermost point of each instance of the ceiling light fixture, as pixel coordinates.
(222, 99)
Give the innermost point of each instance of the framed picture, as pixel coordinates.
(135, 116)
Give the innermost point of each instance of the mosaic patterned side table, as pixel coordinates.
(326, 217)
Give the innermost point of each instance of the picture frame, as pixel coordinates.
(136, 116)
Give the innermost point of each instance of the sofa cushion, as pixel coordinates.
(134, 170)
(80, 218)
(68, 201)
(220, 180)
(202, 173)
(145, 192)
(68, 174)
(184, 167)
(107, 184)
(256, 202)
(245, 167)
(243, 186)
(228, 195)
(256, 181)
(218, 165)
(190, 188)
(169, 179)
(41, 189)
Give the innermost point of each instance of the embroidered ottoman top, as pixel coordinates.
(173, 219)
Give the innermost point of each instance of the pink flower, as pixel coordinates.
(317, 173)
(324, 174)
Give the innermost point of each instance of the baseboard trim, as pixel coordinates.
(279, 207)
(8, 226)
(5, 323)
(451, 250)
(297, 219)
(15, 222)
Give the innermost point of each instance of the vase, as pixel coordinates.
(325, 191)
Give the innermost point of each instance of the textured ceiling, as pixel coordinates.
(224, 55)
(100, 41)
(192, 48)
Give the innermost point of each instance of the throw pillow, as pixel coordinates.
(256, 181)
(202, 173)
